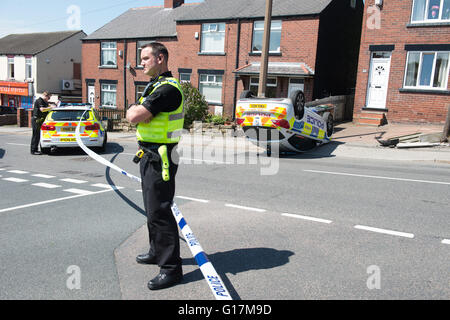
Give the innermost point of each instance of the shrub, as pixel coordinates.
(195, 105)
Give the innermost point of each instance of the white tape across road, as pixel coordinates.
(214, 281)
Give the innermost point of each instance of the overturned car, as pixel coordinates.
(284, 122)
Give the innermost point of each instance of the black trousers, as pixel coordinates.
(162, 226)
(36, 135)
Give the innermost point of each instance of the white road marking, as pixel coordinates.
(306, 218)
(203, 160)
(378, 177)
(446, 241)
(106, 186)
(79, 191)
(15, 179)
(18, 144)
(49, 201)
(244, 208)
(193, 199)
(45, 176)
(73, 181)
(18, 171)
(46, 185)
(139, 190)
(385, 231)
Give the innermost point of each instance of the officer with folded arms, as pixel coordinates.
(159, 115)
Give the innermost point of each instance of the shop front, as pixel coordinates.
(15, 95)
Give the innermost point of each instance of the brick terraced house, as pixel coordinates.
(403, 72)
(216, 45)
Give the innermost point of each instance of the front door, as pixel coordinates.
(380, 65)
(91, 94)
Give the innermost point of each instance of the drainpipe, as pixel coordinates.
(125, 104)
(236, 77)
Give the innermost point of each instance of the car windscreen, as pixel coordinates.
(70, 115)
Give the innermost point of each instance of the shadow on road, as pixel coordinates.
(111, 148)
(239, 260)
(2, 153)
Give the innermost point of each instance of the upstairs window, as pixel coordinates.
(11, 67)
(213, 38)
(28, 68)
(258, 35)
(431, 11)
(109, 54)
(427, 70)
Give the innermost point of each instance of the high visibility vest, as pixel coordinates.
(166, 127)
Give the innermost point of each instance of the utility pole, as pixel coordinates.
(265, 51)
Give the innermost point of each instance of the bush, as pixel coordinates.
(195, 105)
(216, 119)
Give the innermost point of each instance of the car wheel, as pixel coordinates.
(45, 150)
(328, 117)
(298, 102)
(246, 94)
(105, 141)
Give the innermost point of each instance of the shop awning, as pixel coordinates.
(277, 69)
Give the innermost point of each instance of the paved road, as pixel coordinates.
(320, 228)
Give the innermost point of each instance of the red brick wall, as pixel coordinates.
(298, 44)
(402, 106)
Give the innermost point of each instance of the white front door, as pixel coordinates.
(91, 95)
(378, 80)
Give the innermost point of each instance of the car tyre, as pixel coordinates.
(328, 117)
(105, 141)
(246, 94)
(298, 102)
(45, 150)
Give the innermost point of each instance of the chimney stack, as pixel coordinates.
(172, 4)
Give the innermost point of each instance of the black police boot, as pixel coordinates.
(146, 258)
(163, 280)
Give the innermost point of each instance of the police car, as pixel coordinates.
(58, 129)
(285, 122)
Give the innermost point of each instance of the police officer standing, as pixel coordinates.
(40, 110)
(159, 115)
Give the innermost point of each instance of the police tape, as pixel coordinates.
(214, 281)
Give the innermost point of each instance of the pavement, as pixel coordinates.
(349, 140)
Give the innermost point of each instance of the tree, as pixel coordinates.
(195, 105)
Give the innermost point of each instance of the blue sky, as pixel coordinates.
(60, 15)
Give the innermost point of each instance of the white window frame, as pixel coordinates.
(108, 88)
(185, 75)
(425, 18)
(139, 90)
(108, 46)
(209, 28)
(29, 68)
(429, 87)
(273, 27)
(11, 71)
(211, 80)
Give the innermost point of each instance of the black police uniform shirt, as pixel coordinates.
(39, 103)
(165, 98)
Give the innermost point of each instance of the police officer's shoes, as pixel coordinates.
(146, 258)
(163, 280)
(36, 153)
